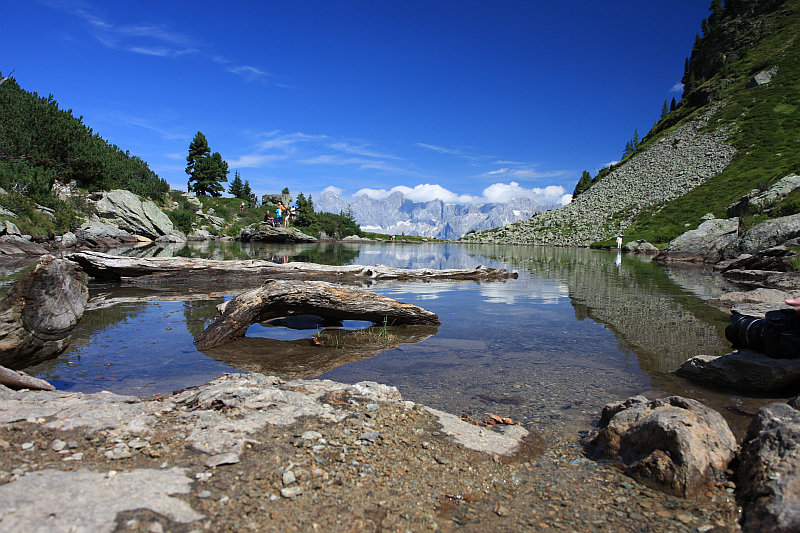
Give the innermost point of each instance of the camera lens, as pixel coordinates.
(746, 331)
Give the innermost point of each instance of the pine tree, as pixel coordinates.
(247, 192)
(236, 186)
(305, 211)
(584, 183)
(198, 149)
(673, 105)
(206, 172)
(664, 110)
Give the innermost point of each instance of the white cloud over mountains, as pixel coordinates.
(499, 193)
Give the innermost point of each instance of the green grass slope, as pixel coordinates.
(763, 121)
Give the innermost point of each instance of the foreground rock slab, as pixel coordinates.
(103, 462)
(39, 312)
(282, 298)
(675, 444)
(743, 369)
(165, 272)
(36, 502)
(769, 471)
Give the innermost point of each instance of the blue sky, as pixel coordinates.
(461, 100)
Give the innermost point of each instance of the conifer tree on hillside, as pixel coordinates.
(236, 187)
(206, 171)
(584, 183)
(247, 192)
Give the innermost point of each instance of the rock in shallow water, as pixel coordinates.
(769, 471)
(674, 444)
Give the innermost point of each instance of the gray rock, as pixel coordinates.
(274, 199)
(754, 302)
(481, 439)
(778, 258)
(128, 212)
(702, 245)
(9, 228)
(744, 370)
(39, 312)
(674, 444)
(768, 234)
(267, 233)
(762, 78)
(17, 245)
(97, 232)
(769, 471)
(90, 507)
(68, 240)
(640, 247)
(758, 201)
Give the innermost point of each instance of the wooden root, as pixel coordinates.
(282, 298)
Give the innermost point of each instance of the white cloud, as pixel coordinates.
(420, 193)
(500, 193)
(254, 160)
(505, 192)
(332, 189)
(677, 88)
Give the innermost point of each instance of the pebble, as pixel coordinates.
(371, 436)
(291, 492)
(58, 445)
(27, 445)
(74, 457)
(289, 477)
(222, 459)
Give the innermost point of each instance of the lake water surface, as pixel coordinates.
(577, 329)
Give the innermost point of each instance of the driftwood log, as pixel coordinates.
(14, 379)
(39, 312)
(166, 272)
(281, 298)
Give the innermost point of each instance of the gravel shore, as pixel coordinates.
(255, 453)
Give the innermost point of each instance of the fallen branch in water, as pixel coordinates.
(283, 298)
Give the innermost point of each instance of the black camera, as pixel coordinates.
(777, 334)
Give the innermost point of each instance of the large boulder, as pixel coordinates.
(640, 247)
(768, 473)
(702, 245)
(744, 370)
(755, 302)
(768, 234)
(777, 259)
(758, 201)
(39, 312)
(128, 212)
(262, 232)
(20, 245)
(95, 232)
(674, 444)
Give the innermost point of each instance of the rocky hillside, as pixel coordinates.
(675, 164)
(733, 134)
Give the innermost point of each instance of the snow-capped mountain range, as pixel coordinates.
(398, 215)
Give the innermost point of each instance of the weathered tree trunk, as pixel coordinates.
(39, 311)
(165, 272)
(20, 380)
(282, 298)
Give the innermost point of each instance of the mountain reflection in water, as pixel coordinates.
(577, 329)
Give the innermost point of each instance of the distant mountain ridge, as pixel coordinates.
(398, 215)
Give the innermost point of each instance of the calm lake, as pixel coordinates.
(577, 329)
